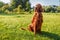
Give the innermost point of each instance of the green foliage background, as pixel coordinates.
(21, 6)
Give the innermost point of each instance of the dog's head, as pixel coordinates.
(38, 8)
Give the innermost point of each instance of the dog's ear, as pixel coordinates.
(41, 10)
(39, 6)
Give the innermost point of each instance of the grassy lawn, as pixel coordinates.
(10, 27)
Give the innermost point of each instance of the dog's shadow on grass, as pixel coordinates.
(49, 35)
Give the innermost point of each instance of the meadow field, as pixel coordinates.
(10, 27)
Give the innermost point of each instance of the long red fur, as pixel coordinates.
(37, 20)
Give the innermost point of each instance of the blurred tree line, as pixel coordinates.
(16, 6)
(20, 6)
(52, 8)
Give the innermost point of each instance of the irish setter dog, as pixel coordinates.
(37, 20)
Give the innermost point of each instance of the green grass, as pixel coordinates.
(10, 27)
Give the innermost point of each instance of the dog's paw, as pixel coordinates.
(23, 29)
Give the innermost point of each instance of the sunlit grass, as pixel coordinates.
(10, 27)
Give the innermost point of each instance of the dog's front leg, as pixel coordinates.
(34, 30)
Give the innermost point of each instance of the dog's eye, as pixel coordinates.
(36, 7)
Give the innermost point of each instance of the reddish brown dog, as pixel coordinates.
(37, 20)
